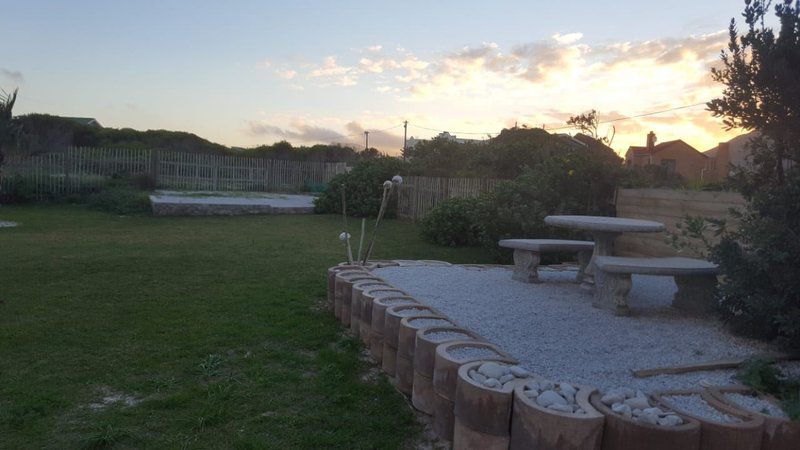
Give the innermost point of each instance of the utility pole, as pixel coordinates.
(405, 138)
(366, 140)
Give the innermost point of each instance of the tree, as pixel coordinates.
(8, 129)
(589, 124)
(760, 260)
(760, 72)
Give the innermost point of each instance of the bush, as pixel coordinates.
(568, 183)
(761, 263)
(363, 187)
(120, 196)
(453, 223)
(17, 189)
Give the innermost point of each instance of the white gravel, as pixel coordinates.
(753, 403)
(7, 224)
(424, 323)
(554, 331)
(466, 352)
(411, 312)
(695, 405)
(439, 336)
(396, 301)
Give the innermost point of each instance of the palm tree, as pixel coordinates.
(8, 130)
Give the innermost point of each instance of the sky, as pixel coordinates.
(245, 73)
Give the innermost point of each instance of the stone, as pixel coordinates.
(533, 385)
(548, 398)
(546, 385)
(622, 409)
(519, 372)
(656, 411)
(491, 370)
(637, 403)
(492, 383)
(479, 377)
(670, 420)
(652, 419)
(508, 384)
(612, 397)
(568, 389)
(506, 378)
(561, 408)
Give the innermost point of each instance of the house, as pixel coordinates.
(88, 121)
(675, 156)
(727, 156)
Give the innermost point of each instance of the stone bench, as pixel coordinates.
(696, 280)
(527, 255)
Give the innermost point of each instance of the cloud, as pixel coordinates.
(332, 73)
(13, 76)
(287, 74)
(374, 48)
(569, 38)
(264, 64)
(543, 81)
(299, 131)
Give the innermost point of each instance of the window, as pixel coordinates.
(668, 165)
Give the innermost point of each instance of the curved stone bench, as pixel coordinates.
(527, 255)
(696, 280)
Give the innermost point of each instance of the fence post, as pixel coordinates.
(154, 162)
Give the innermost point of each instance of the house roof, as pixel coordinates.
(636, 150)
(84, 120)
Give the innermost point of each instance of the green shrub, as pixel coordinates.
(761, 264)
(120, 196)
(363, 187)
(17, 189)
(453, 223)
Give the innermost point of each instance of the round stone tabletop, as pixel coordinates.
(602, 223)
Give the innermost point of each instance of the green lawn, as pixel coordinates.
(211, 328)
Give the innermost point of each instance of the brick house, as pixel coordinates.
(675, 156)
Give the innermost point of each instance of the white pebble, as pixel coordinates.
(548, 398)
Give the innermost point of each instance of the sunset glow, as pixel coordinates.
(256, 78)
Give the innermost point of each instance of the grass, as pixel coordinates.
(134, 331)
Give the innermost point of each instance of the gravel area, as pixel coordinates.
(554, 331)
(439, 336)
(753, 403)
(424, 323)
(695, 405)
(411, 312)
(396, 301)
(461, 353)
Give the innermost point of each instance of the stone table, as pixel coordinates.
(604, 231)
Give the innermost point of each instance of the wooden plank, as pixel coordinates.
(720, 364)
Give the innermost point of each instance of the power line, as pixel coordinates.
(566, 127)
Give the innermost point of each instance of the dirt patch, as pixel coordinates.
(111, 397)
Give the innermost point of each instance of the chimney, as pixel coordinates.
(723, 160)
(651, 145)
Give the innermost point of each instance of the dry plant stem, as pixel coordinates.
(381, 211)
(361, 238)
(344, 224)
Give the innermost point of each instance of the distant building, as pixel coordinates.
(727, 156)
(412, 141)
(88, 121)
(674, 156)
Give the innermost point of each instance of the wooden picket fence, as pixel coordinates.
(418, 195)
(81, 169)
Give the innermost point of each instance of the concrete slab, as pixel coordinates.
(201, 203)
